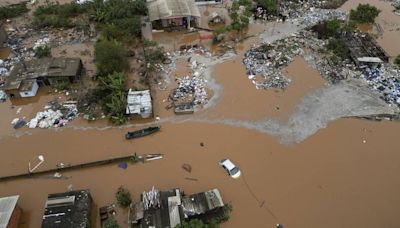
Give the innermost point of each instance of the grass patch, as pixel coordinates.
(12, 11)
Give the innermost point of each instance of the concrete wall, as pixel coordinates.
(30, 93)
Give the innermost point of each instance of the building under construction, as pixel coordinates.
(363, 48)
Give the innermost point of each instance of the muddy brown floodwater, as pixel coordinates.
(346, 175)
(332, 179)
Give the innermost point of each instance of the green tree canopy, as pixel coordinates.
(110, 57)
(365, 13)
(111, 223)
(270, 5)
(112, 94)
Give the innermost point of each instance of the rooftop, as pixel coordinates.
(139, 102)
(44, 67)
(7, 205)
(163, 9)
(201, 203)
(68, 209)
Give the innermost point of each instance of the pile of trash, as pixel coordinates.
(315, 15)
(3, 96)
(268, 60)
(191, 89)
(43, 42)
(55, 115)
(386, 82)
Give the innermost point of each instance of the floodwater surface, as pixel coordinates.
(346, 175)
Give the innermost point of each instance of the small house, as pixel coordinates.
(167, 14)
(27, 76)
(68, 209)
(10, 212)
(170, 208)
(139, 103)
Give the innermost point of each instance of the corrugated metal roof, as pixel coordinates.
(163, 9)
(7, 205)
(139, 102)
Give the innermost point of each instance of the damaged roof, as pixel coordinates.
(68, 209)
(45, 67)
(165, 9)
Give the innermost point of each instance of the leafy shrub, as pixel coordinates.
(397, 60)
(42, 51)
(110, 57)
(123, 197)
(365, 13)
(11, 11)
(270, 5)
(111, 223)
(337, 47)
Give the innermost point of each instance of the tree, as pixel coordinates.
(112, 95)
(365, 13)
(123, 197)
(332, 27)
(397, 60)
(338, 47)
(110, 57)
(111, 223)
(270, 5)
(240, 14)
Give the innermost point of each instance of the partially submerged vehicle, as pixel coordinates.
(141, 132)
(231, 168)
(184, 109)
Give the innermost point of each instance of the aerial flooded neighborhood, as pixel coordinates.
(199, 113)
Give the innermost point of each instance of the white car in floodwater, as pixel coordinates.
(231, 168)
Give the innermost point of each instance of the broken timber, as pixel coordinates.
(147, 157)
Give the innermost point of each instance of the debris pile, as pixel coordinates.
(3, 96)
(41, 43)
(268, 60)
(151, 199)
(386, 82)
(191, 89)
(55, 115)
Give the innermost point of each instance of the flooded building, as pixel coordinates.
(170, 208)
(68, 209)
(139, 103)
(173, 14)
(363, 49)
(204, 205)
(26, 76)
(10, 212)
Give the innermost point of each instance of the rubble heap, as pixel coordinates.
(191, 89)
(55, 115)
(3, 96)
(306, 12)
(268, 60)
(386, 82)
